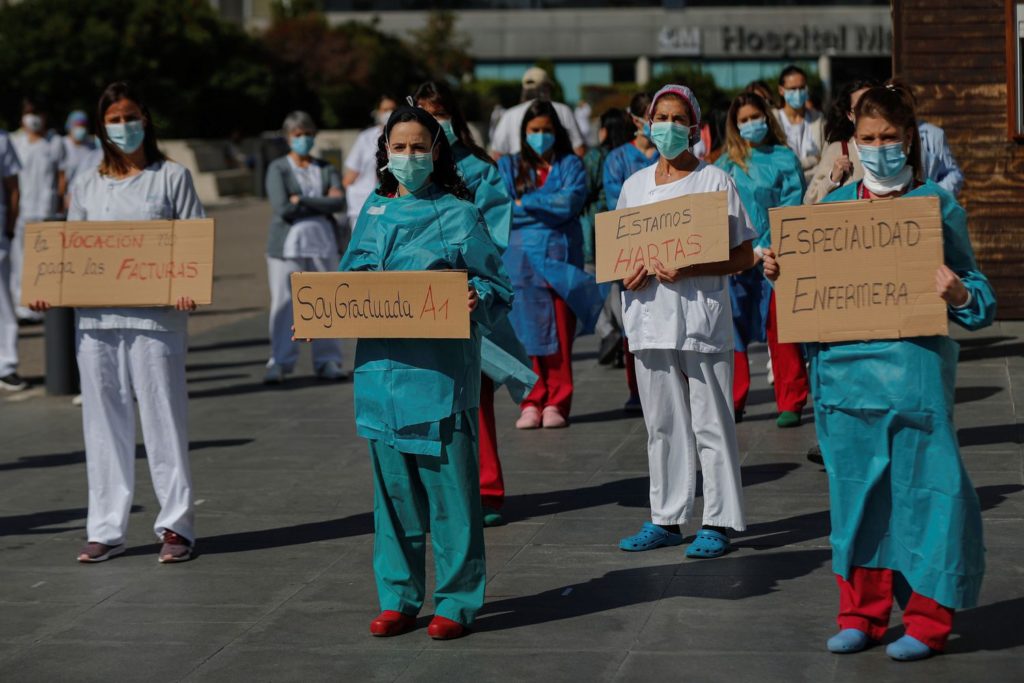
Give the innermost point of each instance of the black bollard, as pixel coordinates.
(61, 366)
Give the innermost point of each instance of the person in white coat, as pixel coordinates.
(81, 150)
(305, 193)
(41, 183)
(360, 179)
(804, 127)
(536, 85)
(9, 197)
(140, 351)
(679, 326)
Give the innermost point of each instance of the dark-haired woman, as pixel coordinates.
(545, 261)
(767, 175)
(122, 351)
(615, 130)
(504, 359)
(906, 521)
(416, 400)
(840, 162)
(625, 160)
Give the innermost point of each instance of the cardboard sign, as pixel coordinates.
(859, 270)
(381, 305)
(676, 232)
(118, 263)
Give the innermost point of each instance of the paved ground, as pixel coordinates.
(283, 588)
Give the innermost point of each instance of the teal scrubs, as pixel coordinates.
(416, 402)
(773, 178)
(504, 359)
(900, 496)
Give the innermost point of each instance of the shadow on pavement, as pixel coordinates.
(1012, 433)
(42, 522)
(989, 627)
(233, 344)
(78, 457)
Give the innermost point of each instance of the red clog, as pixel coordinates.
(445, 629)
(391, 623)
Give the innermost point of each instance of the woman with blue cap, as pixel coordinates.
(767, 175)
(416, 400)
(504, 359)
(554, 294)
(906, 522)
(678, 325)
(81, 151)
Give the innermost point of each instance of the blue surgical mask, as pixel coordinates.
(671, 139)
(883, 161)
(754, 131)
(411, 170)
(127, 136)
(796, 97)
(79, 133)
(646, 126)
(449, 132)
(301, 144)
(540, 142)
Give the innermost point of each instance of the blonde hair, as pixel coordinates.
(736, 147)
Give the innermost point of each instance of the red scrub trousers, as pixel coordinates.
(554, 372)
(865, 602)
(492, 484)
(791, 385)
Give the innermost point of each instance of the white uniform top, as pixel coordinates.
(40, 162)
(694, 313)
(9, 166)
(79, 157)
(800, 136)
(163, 191)
(362, 159)
(311, 237)
(506, 134)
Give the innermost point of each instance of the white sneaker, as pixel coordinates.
(274, 375)
(331, 371)
(77, 401)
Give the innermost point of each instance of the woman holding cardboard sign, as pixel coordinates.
(767, 175)
(545, 259)
(504, 359)
(416, 399)
(905, 517)
(678, 324)
(122, 351)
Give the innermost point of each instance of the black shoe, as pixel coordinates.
(609, 345)
(814, 455)
(13, 382)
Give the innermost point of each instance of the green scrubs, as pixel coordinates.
(416, 402)
(900, 496)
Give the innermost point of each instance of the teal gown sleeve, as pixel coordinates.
(959, 256)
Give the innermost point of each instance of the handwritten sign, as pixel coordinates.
(859, 270)
(675, 233)
(377, 305)
(118, 263)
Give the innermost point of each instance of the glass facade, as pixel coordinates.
(412, 5)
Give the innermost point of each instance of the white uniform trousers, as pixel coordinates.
(17, 266)
(114, 364)
(687, 402)
(8, 319)
(283, 351)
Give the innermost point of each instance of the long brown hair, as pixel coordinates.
(735, 146)
(115, 162)
(529, 160)
(894, 102)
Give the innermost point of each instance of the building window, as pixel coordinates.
(1015, 67)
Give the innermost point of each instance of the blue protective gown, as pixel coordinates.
(503, 358)
(404, 388)
(622, 162)
(900, 496)
(773, 178)
(546, 254)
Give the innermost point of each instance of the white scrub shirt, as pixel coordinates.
(37, 183)
(506, 134)
(362, 159)
(799, 136)
(311, 237)
(163, 191)
(9, 166)
(79, 157)
(693, 313)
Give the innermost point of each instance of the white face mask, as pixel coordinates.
(32, 123)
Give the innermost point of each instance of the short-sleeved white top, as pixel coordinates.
(313, 236)
(41, 160)
(9, 166)
(694, 313)
(163, 191)
(362, 159)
